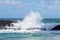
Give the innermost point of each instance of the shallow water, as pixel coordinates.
(28, 36)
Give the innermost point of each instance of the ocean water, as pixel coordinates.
(32, 20)
(32, 36)
(28, 36)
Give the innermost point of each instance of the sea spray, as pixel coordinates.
(32, 20)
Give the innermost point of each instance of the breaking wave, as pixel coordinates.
(32, 20)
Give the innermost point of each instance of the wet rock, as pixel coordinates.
(3, 23)
(56, 27)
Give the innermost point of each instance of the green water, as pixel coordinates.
(28, 36)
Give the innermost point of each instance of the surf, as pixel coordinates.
(31, 23)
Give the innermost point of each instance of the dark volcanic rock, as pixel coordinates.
(3, 23)
(56, 27)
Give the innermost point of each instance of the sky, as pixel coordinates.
(20, 8)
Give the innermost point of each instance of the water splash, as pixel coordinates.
(32, 20)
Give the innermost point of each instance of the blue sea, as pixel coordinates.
(32, 36)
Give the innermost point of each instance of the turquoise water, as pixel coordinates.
(28, 36)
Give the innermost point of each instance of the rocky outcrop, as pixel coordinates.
(3, 23)
(56, 27)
